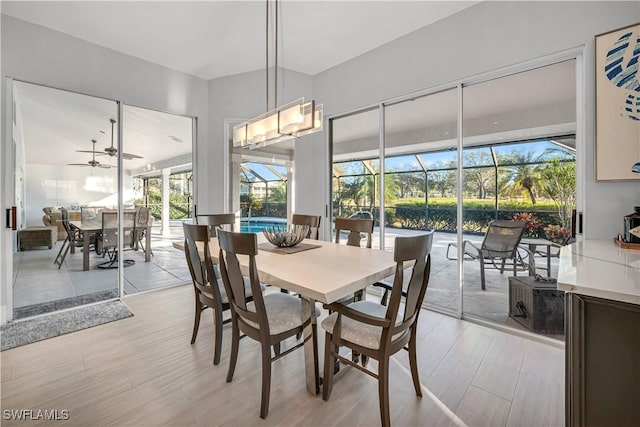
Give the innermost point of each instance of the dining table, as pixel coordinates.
(93, 226)
(325, 273)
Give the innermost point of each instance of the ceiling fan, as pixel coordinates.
(93, 162)
(112, 151)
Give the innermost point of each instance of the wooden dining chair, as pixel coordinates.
(312, 221)
(217, 221)
(356, 227)
(388, 287)
(269, 319)
(377, 331)
(208, 288)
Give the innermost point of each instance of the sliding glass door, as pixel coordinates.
(356, 169)
(495, 150)
(157, 183)
(420, 185)
(61, 172)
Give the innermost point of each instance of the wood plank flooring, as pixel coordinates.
(142, 371)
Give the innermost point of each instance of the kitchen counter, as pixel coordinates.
(599, 268)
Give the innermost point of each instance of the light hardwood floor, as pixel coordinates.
(142, 371)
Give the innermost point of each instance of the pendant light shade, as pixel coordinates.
(289, 121)
(293, 120)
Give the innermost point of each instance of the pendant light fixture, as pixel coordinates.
(292, 120)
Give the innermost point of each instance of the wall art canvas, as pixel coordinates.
(617, 104)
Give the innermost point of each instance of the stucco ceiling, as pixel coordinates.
(211, 39)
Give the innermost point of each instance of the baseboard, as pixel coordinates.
(4, 318)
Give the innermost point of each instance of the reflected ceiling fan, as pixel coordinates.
(112, 151)
(93, 162)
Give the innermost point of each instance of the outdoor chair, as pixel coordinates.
(313, 221)
(108, 238)
(269, 319)
(377, 331)
(73, 240)
(144, 219)
(208, 288)
(500, 244)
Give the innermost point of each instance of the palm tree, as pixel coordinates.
(523, 177)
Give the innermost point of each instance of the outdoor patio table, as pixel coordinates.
(94, 226)
(325, 274)
(532, 243)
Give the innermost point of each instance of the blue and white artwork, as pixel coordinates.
(617, 103)
(621, 68)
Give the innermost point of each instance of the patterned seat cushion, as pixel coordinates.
(357, 332)
(284, 312)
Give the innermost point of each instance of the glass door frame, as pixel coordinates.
(577, 54)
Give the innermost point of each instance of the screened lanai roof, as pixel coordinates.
(262, 172)
(503, 154)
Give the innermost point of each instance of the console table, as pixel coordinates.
(602, 328)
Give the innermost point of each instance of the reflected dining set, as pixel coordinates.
(98, 230)
(232, 271)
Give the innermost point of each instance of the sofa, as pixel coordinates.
(53, 216)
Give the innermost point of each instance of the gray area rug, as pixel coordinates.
(61, 304)
(29, 331)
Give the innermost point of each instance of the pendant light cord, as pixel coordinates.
(275, 85)
(266, 39)
(275, 80)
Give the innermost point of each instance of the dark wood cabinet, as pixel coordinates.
(602, 362)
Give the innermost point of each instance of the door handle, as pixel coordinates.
(11, 220)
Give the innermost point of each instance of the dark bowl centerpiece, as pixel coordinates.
(286, 237)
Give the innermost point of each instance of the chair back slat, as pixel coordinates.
(217, 221)
(231, 245)
(355, 226)
(313, 221)
(503, 237)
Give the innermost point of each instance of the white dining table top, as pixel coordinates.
(325, 274)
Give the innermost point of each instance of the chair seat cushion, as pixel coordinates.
(360, 333)
(284, 312)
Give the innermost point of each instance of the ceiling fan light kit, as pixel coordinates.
(292, 120)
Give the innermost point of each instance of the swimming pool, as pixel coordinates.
(256, 224)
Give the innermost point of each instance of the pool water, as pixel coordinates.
(257, 226)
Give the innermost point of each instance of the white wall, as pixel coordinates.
(40, 55)
(484, 37)
(55, 186)
(242, 96)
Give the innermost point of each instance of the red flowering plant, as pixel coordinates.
(556, 233)
(533, 227)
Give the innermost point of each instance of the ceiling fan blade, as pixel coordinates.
(104, 166)
(78, 164)
(98, 153)
(129, 156)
